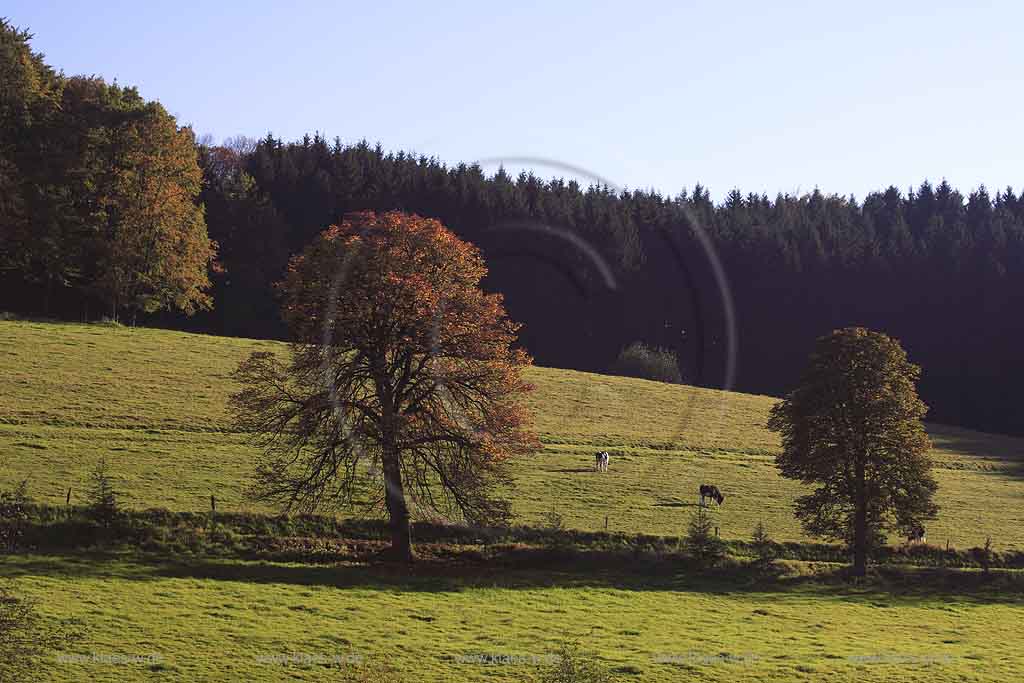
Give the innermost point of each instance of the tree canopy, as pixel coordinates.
(853, 428)
(29, 196)
(100, 192)
(640, 360)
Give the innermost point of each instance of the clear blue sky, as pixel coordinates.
(847, 97)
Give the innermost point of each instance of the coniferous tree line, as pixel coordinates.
(941, 271)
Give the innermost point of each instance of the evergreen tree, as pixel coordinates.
(101, 496)
(764, 548)
(700, 541)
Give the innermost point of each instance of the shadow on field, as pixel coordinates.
(886, 588)
(996, 453)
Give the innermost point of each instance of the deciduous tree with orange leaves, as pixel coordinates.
(402, 388)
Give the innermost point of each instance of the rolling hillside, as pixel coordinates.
(153, 402)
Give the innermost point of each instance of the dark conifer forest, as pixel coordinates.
(939, 269)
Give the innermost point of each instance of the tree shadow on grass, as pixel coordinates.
(887, 588)
(995, 453)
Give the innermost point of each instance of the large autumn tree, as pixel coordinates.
(853, 428)
(402, 388)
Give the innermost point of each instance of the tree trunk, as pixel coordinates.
(391, 463)
(860, 526)
(398, 511)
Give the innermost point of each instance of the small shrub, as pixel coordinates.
(101, 496)
(764, 548)
(648, 362)
(14, 504)
(553, 531)
(700, 541)
(553, 521)
(14, 514)
(983, 556)
(571, 665)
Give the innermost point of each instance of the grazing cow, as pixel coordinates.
(916, 535)
(601, 461)
(712, 492)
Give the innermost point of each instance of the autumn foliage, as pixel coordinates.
(99, 193)
(403, 386)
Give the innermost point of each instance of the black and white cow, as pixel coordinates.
(712, 492)
(601, 461)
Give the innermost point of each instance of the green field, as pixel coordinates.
(153, 403)
(215, 620)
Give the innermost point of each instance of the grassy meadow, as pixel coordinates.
(220, 620)
(153, 403)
